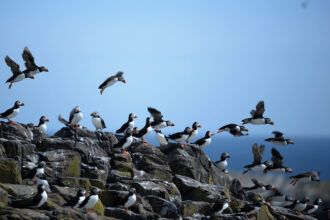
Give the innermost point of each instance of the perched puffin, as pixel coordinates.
(234, 129)
(279, 197)
(12, 112)
(30, 65)
(75, 117)
(257, 164)
(203, 142)
(277, 164)
(180, 136)
(43, 181)
(257, 116)
(42, 123)
(91, 200)
(18, 75)
(125, 142)
(254, 207)
(40, 169)
(310, 209)
(98, 122)
(308, 176)
(161, 138)
(78, 199)
(158, 121)
(112, 80)
(220, 205)
(279, 140)
(129, 124)
(130, 199)
(222, 163)
(145, 131)
(299, 206)
(38, 200)
(258, 187)
(194, 131)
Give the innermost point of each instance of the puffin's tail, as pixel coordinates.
(61, 119)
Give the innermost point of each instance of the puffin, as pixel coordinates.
(257, 165)
(125, 142)
(161, 138)
(12, 112)
(158, 121)
(77, 200)
(112, 80)
(257, 116)
(75, 117)
(220, 205)
(30, 65)
(130, 199)
(258, 187)
(90, 201)
(279, 197)
(98, 122)
(308, 176)
(129, 124)
(310, 209)
(40, 169)
(234, 129)
(277, 164)
(180, 136)
(299, 206)
(42, 123)
(194, 131)
(145, 131)
(35, 202)
(203, 142)
(18, 75)
(41, 180)
(222, 163)
(279, 140)
(254, 207)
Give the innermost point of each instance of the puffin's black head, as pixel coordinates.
(209, 134)
(43, 119)
(131, 116)
(196, 125)
(81, 192)
(158, 131)
(41, 188)
(269, 121)
(224, 156)
(289, 141)
(269, 187)
(305, 200)
(318, 201)
(96, 191)
(187, 130)
(41, 176)
(288, 170)
(169, 123)
(148, 121)
(77, 109)
(243, 128)
(120, 77)
(95, 115)
(18, 104)
(315, 178)
(268, 164)
(132, 191)
(43, 69)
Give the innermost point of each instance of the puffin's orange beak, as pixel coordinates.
(46, 70)
(220, 131)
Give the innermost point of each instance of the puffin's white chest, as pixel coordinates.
(224, 207)
(97, 122)
(161, 125)
(45, 183)
(131, 125)
(19, 77)
(207, 142)
(91, 202)
(14, 113)
(44, 197)
(128, 142)
(193, 135)
(279, 143)
(257, 121)
(111, 82)
(81, 199)
(258, 168)
(182, 138)
(131, 200)
(43, 127)
(222, 164)
(312, 210)
(278, 170)
(34, 72)
(76, 118)
(161, 139)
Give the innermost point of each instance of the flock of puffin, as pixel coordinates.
(156, 123)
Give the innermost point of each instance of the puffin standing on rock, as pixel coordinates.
(98, 122)
(222, 163)
(129, 124)
(257, 165)
(75, 117)
(161, 138)
(12, 112)
(194, 131)
(130, 199)
(145, 131)
(234, 129)
(42, 123)
(310, 209)
(125, 142)
(43, 181)
(203, 142)
(38, 200)
(299, 206)
(308, 176)
(18, 75)
(77, 200)
(220, 206)
(158, 121)
(91, 200)
(257, 116)
(40, 169)
(112, 80)
(279, 140)
(278, 164)
(180, 136)
(30, 65)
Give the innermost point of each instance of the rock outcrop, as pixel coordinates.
(171, 182)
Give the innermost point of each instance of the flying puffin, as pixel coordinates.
(75, 117)
(158, 121)
(42, 123)
(129, 124)
(145, 131)
(310, 209)
(180, 136)
(279, 140)
(308, 176)
(279, 197)
(220, 205)
(30, 65)
(125, 142)
(77, 200)
(257, 116)
(130, 199)
(98, 122)
(112, 80)
(299, 206)
(12, 112)
(194, 131)
(258, 187)
(43, 181)
(35, 202)
(203, 142)
(277, 164)
(257, 164)
(18, 75)
(91, 200)
(161, 138)
(254, 207)
(222, 163)
(234, 129)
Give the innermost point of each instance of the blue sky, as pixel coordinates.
(206, 61)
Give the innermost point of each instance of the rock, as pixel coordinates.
(121, 214)
(3, 197)
(10, 172)
(163, 207)
(19, 190)
(17, 149)
(280, 211)
(13, 214)
(99, 208)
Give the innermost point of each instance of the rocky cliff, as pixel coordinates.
(171, 182)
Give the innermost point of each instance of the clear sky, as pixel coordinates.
(206, 61)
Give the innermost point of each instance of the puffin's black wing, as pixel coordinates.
(200, 141)
(84, 202)
(307, 174)
(21, 203)
(142, 132)
(255, 182)
(6, 113)
(260, 109)
(29, 59)
(123, 128)
(72, 114)
(257, 153)
(175, 135)
(157, 115)
(36, 199)
(103, 123)
(72, 202)
(120, 143)
(277, 158)
(106, 81)
(119, 74)
(13, 66)
(278, 134)
(228, 126)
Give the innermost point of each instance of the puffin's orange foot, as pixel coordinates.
(181, 144)
(127, 211)
(125, 152)
(34, 182)
(101, 91)
(12, 122)
(301, 214)
(265, 171)
(10, 86)
(74, 127)
(244, 172)
(145, 143)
